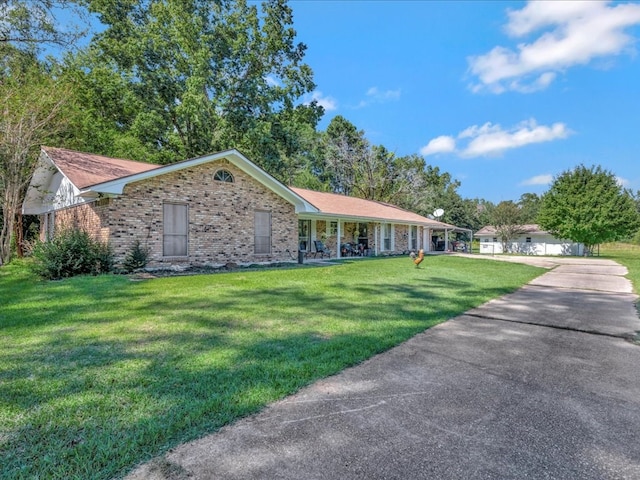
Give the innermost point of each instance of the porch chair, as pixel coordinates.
(321, 249)
(347, 250)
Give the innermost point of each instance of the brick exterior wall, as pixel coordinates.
(91, 217)
(221, 217)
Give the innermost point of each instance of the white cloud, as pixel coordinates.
(545, 179)
(328, 103)
(573, 33)
(375, 94)
(492, 140)
(623, 182)
(476, 131)
(442, 144)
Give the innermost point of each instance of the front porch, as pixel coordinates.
(361, 238)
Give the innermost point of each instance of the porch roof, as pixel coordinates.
(359, 209)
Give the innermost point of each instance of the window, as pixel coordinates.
(528, 240)
(175, 221)
(262, 226)
(413, 242)
(386, 236)
(333, 228)
(495, 239)
(304, 234)
(223, 176)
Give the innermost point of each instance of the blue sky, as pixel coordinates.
(502, 95)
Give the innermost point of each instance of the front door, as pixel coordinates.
(363, 235)
(304, 235)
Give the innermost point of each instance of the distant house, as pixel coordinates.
(532, 241)
(212, 210)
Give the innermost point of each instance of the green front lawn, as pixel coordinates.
(98, 374)
(628, 255)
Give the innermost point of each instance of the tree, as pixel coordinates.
(352, 166)
(32, 102)
(345, 148)
(529, 205)
(587, 205)
(506, 218)
(479, 213)
(31, 98)
(397, 180)
(201, 76)
(30, 24)
(440, 190)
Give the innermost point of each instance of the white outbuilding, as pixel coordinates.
(531, 241)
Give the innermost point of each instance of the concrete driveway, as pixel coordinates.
(542, 383)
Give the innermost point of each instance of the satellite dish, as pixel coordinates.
(438, 212)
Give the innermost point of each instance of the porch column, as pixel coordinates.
(446, 240)
(426, 243)
(339, 236)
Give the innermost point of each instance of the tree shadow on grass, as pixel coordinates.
(92, 406)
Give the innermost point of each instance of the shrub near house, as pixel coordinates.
(70, 252)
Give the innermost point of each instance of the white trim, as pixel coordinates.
(359, 219)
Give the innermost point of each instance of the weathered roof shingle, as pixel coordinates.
(86, 169)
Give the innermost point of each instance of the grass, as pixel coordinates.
(628, 255)
(98, 374)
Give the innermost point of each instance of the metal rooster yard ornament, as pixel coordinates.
(417, 259)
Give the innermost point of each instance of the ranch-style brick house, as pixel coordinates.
(212, 210)
(531, 241)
